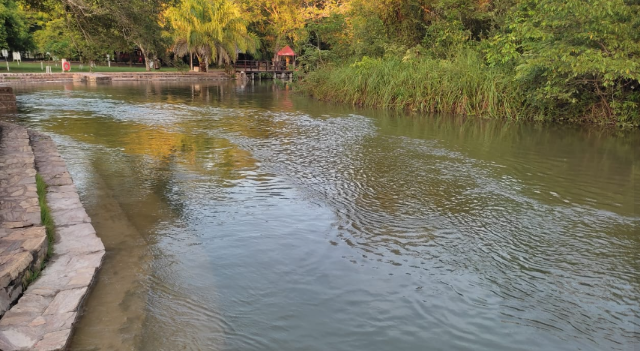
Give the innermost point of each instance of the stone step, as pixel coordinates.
(7, 97)
(91, 77)
(44, 317)
(23, 240)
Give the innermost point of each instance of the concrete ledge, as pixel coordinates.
(44, 316)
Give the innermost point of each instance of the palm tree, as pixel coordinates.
(210, 29)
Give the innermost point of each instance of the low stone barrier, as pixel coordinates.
(91, 77)
(115, 76)
(44, 316)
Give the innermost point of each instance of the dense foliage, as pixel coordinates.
(213, 30)
(576, 60)
(14, 31)
(545, 59)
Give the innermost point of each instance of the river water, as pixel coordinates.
(251, 218)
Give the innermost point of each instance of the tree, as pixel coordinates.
(138, 23)
(95, 27)
(14, 32)
(576, 60)
(210, 29)
(278, 22)
(60, 33)
(54, 38)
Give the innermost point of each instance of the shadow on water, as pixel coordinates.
(242, 217)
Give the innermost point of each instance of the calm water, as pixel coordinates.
(249, 218)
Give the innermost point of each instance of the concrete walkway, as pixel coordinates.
(44, 316)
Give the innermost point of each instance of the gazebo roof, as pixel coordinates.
(286, 51)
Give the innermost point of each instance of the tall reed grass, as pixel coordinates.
(464, 85)
(45, 213)
(47, 221)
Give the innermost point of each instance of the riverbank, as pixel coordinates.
(19, 78)
(44, 315)
(465, 85)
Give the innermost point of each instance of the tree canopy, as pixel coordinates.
(214, 30)
(14, 30)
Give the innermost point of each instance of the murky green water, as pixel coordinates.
(248, 218)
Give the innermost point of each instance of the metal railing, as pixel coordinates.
(260, 66)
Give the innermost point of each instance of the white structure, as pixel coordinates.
(66, 65)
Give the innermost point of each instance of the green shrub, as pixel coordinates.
(577, 61)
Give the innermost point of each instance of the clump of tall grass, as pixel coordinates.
(47, 221)
(463, 85)
(45, 213)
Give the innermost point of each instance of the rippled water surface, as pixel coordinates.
(250, 218)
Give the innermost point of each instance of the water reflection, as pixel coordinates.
(248, 217)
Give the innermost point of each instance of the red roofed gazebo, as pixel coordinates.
(287, 53)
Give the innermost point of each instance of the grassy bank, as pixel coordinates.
(462, 86)
(47, 221)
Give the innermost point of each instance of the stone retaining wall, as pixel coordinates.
(7, 99)
(115, 76)
(44, 316)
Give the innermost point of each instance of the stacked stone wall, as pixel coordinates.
(7, 99)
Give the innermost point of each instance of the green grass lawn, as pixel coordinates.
(34, 67)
